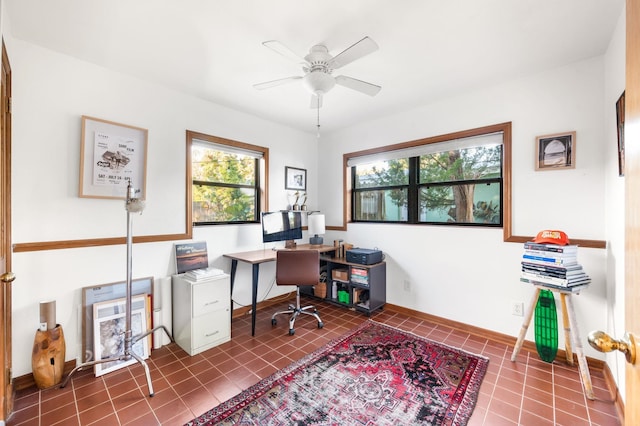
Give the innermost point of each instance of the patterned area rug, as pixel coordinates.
(373, 375)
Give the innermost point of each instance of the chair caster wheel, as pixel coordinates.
(320, 324)
(273, 322)
(291, 332)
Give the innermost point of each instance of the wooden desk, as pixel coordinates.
(571, 332)
(255, 258)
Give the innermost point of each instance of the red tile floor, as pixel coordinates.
(526, 392)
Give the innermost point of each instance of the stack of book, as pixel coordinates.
(552, 265)
(202, 274)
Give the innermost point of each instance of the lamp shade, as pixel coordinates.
(316, 227)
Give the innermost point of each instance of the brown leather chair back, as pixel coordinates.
(297, 267)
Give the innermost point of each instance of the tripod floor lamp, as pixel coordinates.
(132, 205)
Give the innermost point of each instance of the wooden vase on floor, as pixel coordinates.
(47, 359)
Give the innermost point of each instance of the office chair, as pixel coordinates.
(299, 268)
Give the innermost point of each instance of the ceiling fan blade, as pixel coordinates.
(316, 102)
(280, 48)
(351, 53)
(359, 85)
(273, 83)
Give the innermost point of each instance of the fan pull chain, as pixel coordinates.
(318, 115)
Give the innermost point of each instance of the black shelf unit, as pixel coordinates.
(361, 287)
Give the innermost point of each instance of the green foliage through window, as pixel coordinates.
(225, 184)
(452, 182)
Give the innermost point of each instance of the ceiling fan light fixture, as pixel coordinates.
(318, 82)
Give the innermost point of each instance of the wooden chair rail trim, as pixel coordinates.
(95, 242)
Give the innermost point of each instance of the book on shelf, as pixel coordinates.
(553, 254)
(553, 271)
(553, 248)
(572, 288)
(553, 267)
(360, 275)
(202, 274)
(561, 282)
(550, 254)
(565, 279)
(550, 260)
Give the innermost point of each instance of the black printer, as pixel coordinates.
(363, 256)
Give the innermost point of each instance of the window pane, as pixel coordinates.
(221, 204)
(213, 165)
(462, 164)
(474, 203)
(384, 205)
(382, 173)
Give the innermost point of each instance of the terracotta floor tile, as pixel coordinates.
(148, 419)
(163, 397)
(538, 408)
(26, 416)
(86, 402)
(96, 413)
(59, 413)
(537, 419)
(134, 411)
(25, 401)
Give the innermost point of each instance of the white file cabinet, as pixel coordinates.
(201, 316)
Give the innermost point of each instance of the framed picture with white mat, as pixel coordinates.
(109, 320)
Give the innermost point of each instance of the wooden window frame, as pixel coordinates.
(262, 178)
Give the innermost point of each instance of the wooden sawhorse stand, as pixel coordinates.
(570, 332)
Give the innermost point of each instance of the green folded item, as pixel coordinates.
(343, 296)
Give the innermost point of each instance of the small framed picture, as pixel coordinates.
(295, 179)
(556, 151)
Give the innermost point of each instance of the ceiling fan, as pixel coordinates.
(318, 65)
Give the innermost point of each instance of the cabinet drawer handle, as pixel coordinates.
(211, 303)
(212, 334)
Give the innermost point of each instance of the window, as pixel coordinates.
(381, 191)
(456, 179)
(227, 180)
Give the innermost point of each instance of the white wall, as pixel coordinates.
(614, 200)
(469, 274)
(50, 94)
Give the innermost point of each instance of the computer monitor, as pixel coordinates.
(282, 225)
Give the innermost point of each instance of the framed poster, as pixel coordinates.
(109, 332)
(111, 155)
(295, 179)
(557, 151)
(102, 293)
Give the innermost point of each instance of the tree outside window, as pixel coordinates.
(461, 186)
(452, 183)
(225, 182)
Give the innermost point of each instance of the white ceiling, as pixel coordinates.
(213, 49)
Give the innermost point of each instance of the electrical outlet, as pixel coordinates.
(517, 309)
(407, 285)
